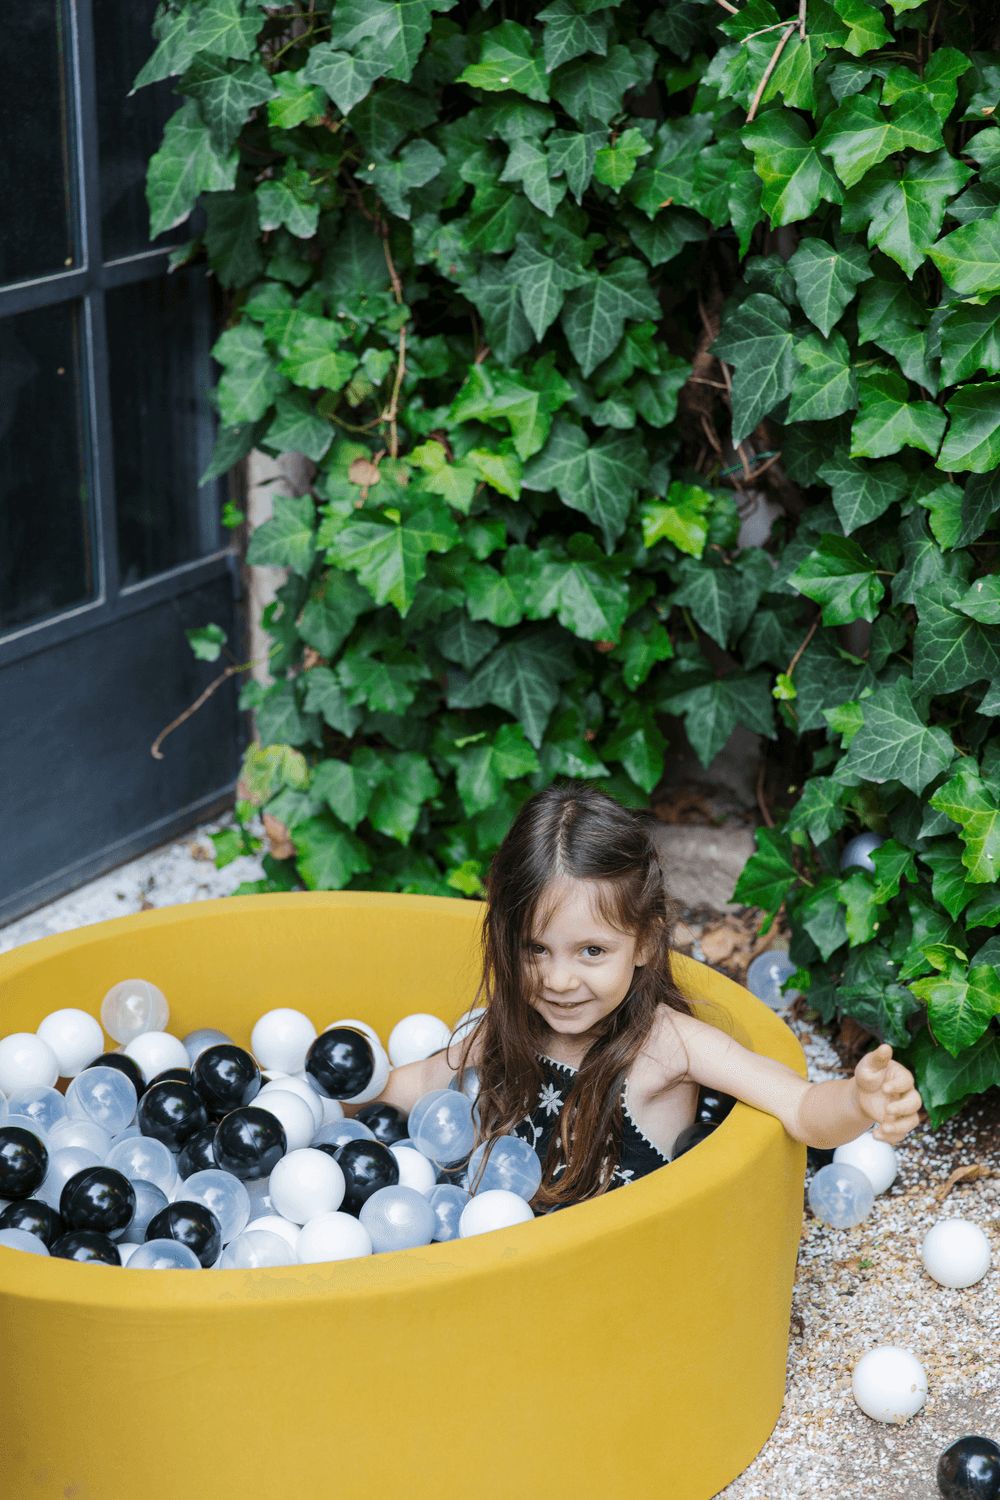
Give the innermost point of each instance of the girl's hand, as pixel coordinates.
(886, 1094)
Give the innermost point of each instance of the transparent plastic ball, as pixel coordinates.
(196, 1041)
(105, 1096)
(441, 1127)
(149, 1200)
(25, 1122)
(224, 1194)
(280, 1040)
(26, 1062)
(415, 1171)
(64, 1163)
(259, 1193)
(3, 1105)
(956, 1253)
(20, 1239)
(841, 1195)
(876, 1159)
(857, 852)
(512, 1165)
(495, 1209)
(416, 1037)
(85, 1133)
(889, 1384)
(466, 1082)
(333, 1236)
(398, 1218)
(338, 1131)
(43, 1105)
(164, 1255)
(288, 1084)
(765, 976)
(274, 1224)
(131, 1007)
(126, 1249)
(447, 1201)
(293, 1113)
(74, 1036)
(467, 1021)
(155, 1051)
(306, 1184)
(255, 1248)
(143, 1158)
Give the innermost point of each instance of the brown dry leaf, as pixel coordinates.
(961, 1174)
(200, 851)
(310, 659)
(719, 943)
(363, 473)
(278, 837)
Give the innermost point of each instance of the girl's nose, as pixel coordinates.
(561, 980)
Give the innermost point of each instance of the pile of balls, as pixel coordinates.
(187, 1154)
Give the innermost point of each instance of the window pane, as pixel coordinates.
(158, 339)
(46, 542)
(129, 131)
(36, 163)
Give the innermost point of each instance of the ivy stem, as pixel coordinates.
(800, 652)
(391, 411)
(245, 666)
(766, 75)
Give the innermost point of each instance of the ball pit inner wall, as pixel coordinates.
(629, 1347)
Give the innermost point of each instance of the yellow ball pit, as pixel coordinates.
(630, 1347)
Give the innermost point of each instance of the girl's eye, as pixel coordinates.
(593, 951)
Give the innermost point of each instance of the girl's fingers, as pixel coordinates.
(909, 1104)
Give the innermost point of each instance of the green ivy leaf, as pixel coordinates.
(593, 89)
(390, 560)
(615, 164)
(969, 257)
(911, 212)
(312, 357)
(943, 502)
(392, 30)
(580, 587)
(894, 742)
(187, 163)
(795, 177)
(826, 279)
(970, 341)
(498, 293)
(758, 341)
(713, 710)
(862, 494)
(484, 769)
(888, 421)
(866, 28)
(599, 479)
(206, 641)
(637, 744)
(522, 676)
(294, 100)
(281, 720)
(950, 885)
(492, 394)
(973, 438)
(574, 153)
(682, 519)
(343, 78)
(226, 92)
(838, 575)
(298, 428)
(569, 34)
(288, 540)
(231, 238)
(508, 60)
(858, 134)
(891, 316)
(345, 787)
(384, 686)
(820, 810)
(961, 1003)
(826, 386)
(595, 314)
(529, 165)
(982, 600)
(640, 652)
(950, 650)
(328, 855)
(398, 800)
(968, 801)
(769, 874)
(326, 696)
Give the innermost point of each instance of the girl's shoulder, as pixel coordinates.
(675, 1041)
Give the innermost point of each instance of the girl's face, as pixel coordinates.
(581, 967)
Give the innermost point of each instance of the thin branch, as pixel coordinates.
(774, 26)
(154, 748)
(766, 78)
(764, 466)
(392, 410)
(726, 6)
(799, 653)
(760, 794)
(802, 20)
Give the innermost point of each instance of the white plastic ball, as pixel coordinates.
(143, 1158)
(398, 1218)
(765, 976)
(74, 1036)
(281, 1038)
(255, 1248)
(149, 1200)
(85, 1133)
(857, 852)
(369, 1031)
(956, 1253)
(306, 1184)
(284, 1228)
(105, 1096)
(889, 1384)
(64, 1164)
(155, 1051)
(224, 1194)
(131, 1007)
(381, 1069)
(20, 1239)
(416, 1037)
(876, 1159)
(26, 1061)
(415, 1171)
(164, 1255)
(294, 1114)
(447, 1201)
(288, 1084)
(494, 1209)
(196, 1042)
(511, 1164)
(44, 1106)
(841, 1195)
(333, 1110)
(333, 1236)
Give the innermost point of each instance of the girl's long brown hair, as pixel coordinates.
(569, 829)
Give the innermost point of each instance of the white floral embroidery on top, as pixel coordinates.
(550, 1099)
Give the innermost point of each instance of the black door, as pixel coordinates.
(109, 550)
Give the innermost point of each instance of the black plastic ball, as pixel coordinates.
(969, 1469)
(818, 1156)
(126, 1065)
(367, 1166)
(692, 1135)
(248, 1142)
(191, 1224)
(713, 1106)
(386, 1123)
(24, 1162)
(171, 1112)
(341, 1062)
(34, 1217)
(198, 1153)
(86, 1244)
(171, 1075)
(226, 1077)
(98, 1198)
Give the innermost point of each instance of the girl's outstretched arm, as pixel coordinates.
(820, 1114)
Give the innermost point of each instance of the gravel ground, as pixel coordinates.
(854, 1288)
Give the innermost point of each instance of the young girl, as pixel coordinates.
(587, 1049)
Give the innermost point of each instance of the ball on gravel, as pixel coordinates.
(841, 1195)
(876, 1159)
(956, 1253)
(969, 1469)
(889, 1384)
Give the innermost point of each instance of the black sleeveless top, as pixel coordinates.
(638, 1154)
